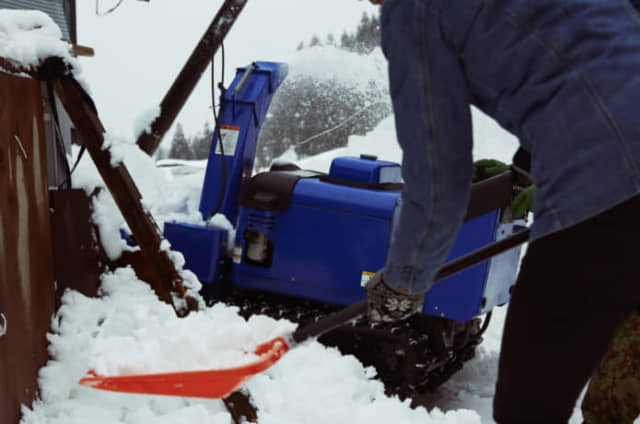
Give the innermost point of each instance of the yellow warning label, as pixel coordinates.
(366, 276)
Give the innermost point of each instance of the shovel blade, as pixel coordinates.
(211, 384)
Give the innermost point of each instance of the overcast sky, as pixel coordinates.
(141, 47)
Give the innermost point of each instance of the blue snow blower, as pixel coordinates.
(308, 241)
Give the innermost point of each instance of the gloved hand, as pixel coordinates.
(487, 168)
(388, 305)
(522, 204)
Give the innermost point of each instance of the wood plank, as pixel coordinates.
(124, 191)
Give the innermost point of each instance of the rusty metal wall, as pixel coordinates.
(79, 260)
(26, 260)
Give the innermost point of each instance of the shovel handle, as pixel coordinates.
(482, 254)
(330, 322)
(359, 309)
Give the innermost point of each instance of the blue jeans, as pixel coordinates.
(564, 77)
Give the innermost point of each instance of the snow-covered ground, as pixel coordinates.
(128, 330)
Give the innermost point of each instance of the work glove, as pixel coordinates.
(522, 204)
(487, 168)
(388, 305)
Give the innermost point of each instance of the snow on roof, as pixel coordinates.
(55, 9)
(28, 37)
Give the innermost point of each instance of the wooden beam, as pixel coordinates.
(79, 50)
(123, 189)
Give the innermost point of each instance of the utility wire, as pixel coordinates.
(216, 130)
(340, 125)
(108, 11)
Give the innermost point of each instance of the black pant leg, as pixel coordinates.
(574, 288)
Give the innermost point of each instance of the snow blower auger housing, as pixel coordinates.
(306, 242)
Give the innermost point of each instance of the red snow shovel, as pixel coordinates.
(214, 384)
(217, 384)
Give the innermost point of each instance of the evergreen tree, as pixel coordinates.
(331, 41)
(363, 41)
(180, 148)
(347, 42)
(315, 41)
(367, 35)
(364, 22)
(202, 142)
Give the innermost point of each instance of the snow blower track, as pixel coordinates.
(411, 357)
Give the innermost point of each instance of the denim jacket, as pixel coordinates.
(562, 75)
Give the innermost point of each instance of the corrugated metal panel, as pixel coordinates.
(53, 8)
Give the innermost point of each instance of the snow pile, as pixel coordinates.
(167, 198)
(128, 330)
(28, 37)
(144, 121)
(314, 384)
(170, 191)
(128, 310)
(138, 335)
(163, 197)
